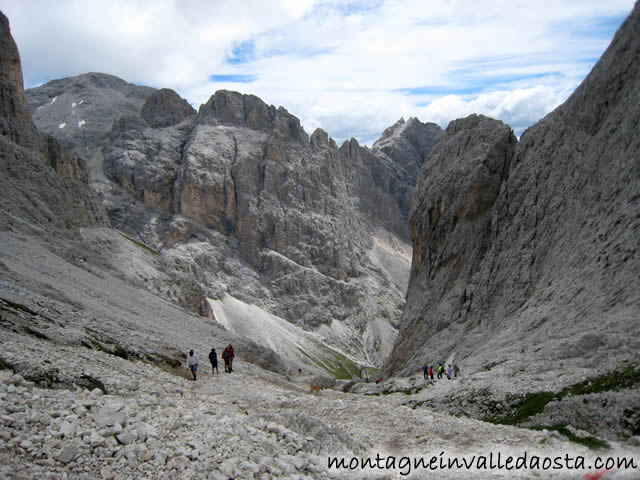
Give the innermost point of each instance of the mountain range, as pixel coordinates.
(134, 225)
(244, 208)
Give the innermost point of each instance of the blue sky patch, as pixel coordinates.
(305, 52)
(436, 90)
(604, 26)
(472, 83)
(347, 9)
(242, 53)
(232, 78)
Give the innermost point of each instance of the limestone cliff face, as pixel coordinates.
(15, 121)
(243, 202)
(527, 254)
(42, 184)
(165, 108)
(385, 175)
(404, 146)
(270, 186)
(282, 200)
(80, 112)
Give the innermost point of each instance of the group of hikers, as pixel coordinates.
(227, 356)
(450, 371)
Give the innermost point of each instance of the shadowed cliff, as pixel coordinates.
(526, 254)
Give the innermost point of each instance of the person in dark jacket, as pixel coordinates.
(227, 356)
(213, 358)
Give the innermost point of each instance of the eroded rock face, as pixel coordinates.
(301, 228)
(253, 173)
(404, 146)
(41, 183)
(165, 108)
(15, 121)
(80, 112)
(527, 254)
(452, 224)
(284, 202)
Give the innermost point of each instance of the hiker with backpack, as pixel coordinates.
(213, 358)
(440, 371)
(425, 371)
(192, 363)
(431, 371)
(227, 356)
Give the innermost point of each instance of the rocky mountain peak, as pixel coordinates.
(391, 131)
(41, 182)
(165, 108)
(80, 111)
(15, 121)
(234, 108)
(320, 139)
(408, 142)
(238, 109)
(10, 67)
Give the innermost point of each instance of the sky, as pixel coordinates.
(351, 67)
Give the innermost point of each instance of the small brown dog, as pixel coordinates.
(315, 388)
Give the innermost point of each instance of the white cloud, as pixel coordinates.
(519, 108)
(351, 67)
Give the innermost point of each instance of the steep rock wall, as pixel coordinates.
(43, 185)
(537, 263)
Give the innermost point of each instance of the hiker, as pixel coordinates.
(449, 372)
(213, 358)
(425, 371)
(456, 370)
(440, 370)
(192, 363)
(227, 356)
(431, 371)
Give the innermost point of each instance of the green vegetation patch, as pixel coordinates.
(93, 342)
(334, 363)
(35, 333)
(18, 307)
(590, 442)
(407, 391)
(90, 383)
(369, 373)
(121, 352)
(164, 359)
(530, 405)
(8, 305)
(140, 244)
(534, 403)
(4, 365)
(617, 380)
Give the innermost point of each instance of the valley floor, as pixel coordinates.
(156, 423)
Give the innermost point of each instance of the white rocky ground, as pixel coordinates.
(155, 423)
(253, 423)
